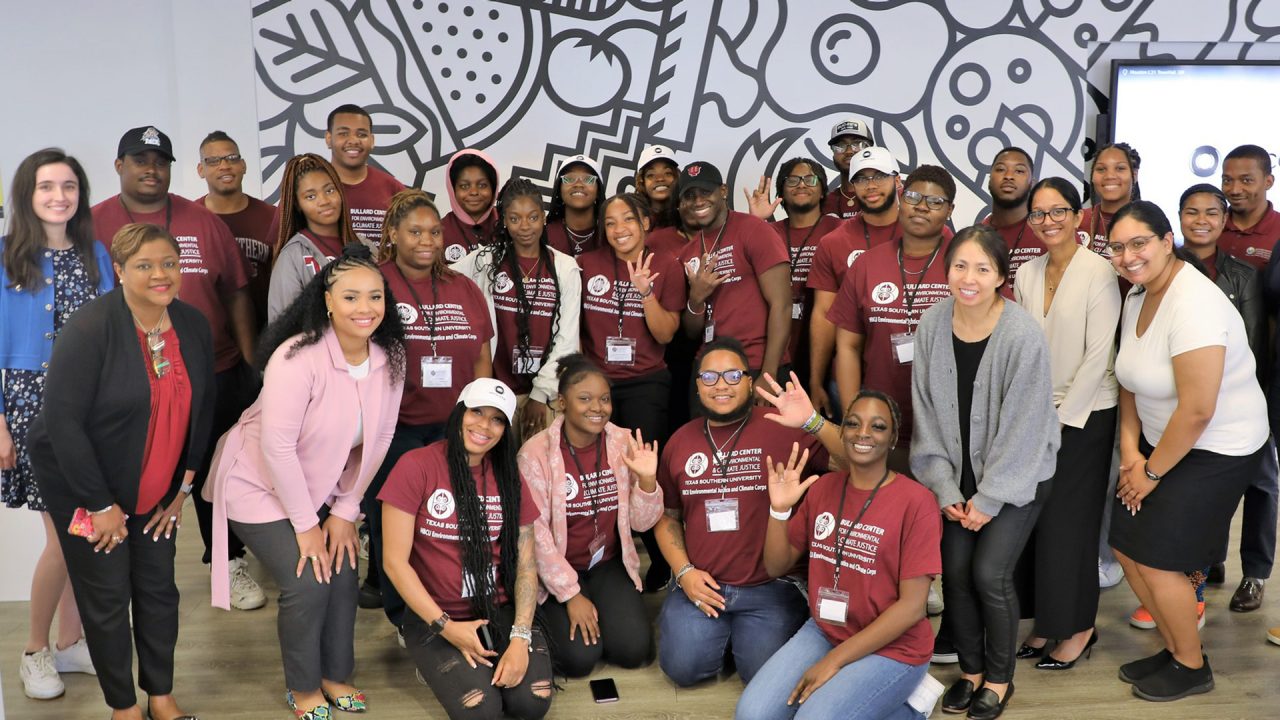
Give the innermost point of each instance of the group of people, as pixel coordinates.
(805, 420)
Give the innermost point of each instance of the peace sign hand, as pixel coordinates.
(785, 486)
(704, 280)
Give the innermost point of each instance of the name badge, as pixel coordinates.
(620, 350)
(708, 332)
(904, 347)
(722, 515)
(597, 549)
(833, 606)
(797, 310)
(437, 372)
(526, 364)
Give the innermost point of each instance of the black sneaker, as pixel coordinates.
(1132, 672)
(944, 651)
(370, 598)
(1175, 681)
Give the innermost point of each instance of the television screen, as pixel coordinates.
(1183, 117)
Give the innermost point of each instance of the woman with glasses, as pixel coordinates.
(1193, 435)
(1113, 183)
(577, 197)
(1072, 295)
(880, 303)
(127, 407)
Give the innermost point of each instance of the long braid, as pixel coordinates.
(502, 257)
(292, 220)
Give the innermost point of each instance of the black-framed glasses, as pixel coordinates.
(865, 180)
(216, 160)
(911, 197)
(159, 363)
(795, 180)
(849, 146)
(578, 179)
(1133, 245)
(1036, 217)
(711, 377)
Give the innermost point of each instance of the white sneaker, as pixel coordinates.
(74, 659)
(364, 546)
(934, 605)
(40, 679)
(246, 594)
(400, 637)
(1109, 573)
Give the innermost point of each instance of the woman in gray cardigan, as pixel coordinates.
(982, 358)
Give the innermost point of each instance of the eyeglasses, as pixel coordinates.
(1036, 217)
(795, 180)
(215, 160)
(159, 363)
(1133, 245)
(911, 197)
(865, 180)
(578, 179)
(711, 377)
(850, 146)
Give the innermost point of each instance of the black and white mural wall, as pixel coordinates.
(743, 83)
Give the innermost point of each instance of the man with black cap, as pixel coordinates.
(738, 270)
(848, 137)
(214, 280)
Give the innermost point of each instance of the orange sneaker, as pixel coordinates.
(1141, 618)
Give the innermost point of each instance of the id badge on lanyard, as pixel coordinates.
(597, 549)
(620, 350)
(797, 309)
(833, 606)
(904, 347)
(437, 371)
(722, 515)
(526, 364)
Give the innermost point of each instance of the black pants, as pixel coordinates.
(457, 685)
(1258, 526)
(642, 403)
(406, 438)
(625, 636)
(234, 390)
(978, 588)
(138, 572)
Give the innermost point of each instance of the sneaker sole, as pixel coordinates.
(945, 658)
(1197, 690)
(250, 606)
(43, 696)
(1143, 624)
(1273, 639)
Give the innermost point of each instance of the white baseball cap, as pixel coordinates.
(655, 152)
(875, 158)
(487, 392)
(595, 168)
(856, 127)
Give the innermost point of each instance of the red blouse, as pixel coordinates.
(167, 429)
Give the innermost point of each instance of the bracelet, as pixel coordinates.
(522, 632)
(683, 571)
(689, 306)
(779, 516)
(185, 488)
(814, 423)
(646, 296)
(103, 510)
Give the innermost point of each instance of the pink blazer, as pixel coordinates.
(290, 453)
(542, 469)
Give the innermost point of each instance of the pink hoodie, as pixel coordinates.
(454, 208)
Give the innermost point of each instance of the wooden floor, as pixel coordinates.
(228, 667)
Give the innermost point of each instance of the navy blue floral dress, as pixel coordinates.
(24, 389)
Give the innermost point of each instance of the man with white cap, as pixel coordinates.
(576, 201)
(848, 137)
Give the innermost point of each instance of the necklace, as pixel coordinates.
(578, 239)
(847, 200)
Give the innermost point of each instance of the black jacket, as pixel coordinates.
(87, 442)
(1240, 282)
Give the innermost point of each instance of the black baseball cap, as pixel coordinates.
(142, 139)
(699, 175)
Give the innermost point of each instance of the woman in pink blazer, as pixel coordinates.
(593, 484)
(290, 474)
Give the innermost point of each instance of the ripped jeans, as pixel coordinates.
(467, 693)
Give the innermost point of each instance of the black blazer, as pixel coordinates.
(87, 442)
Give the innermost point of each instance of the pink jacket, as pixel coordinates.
(542, 468)
(291, 452)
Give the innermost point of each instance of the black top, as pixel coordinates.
(968, 357)
(87, 442)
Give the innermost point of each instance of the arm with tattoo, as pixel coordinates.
(526, 578)
(670, 535)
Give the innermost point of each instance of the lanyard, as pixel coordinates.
(866, 233)
(591, 493)
(702, 242)
(721, 459)
(321, 245)
(909, 299)
(618, 293)
(842, 536)
(168, 211)
(435, 302)
(1017, 242)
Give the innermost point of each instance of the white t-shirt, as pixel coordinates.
(359, 372)
(1194, 314)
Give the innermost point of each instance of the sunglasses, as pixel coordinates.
(578, 179)
(711, 377)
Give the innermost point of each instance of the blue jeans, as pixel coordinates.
(756, 621)
(873, 688)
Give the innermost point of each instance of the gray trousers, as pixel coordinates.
(316, 622)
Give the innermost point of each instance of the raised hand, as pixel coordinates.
(641, 277)
(792, 402)
(785, 486)
(705, 280)
(641, 457)
(758, 202)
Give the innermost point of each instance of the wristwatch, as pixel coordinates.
(1150, 475)
(437, 625)
(185, 488)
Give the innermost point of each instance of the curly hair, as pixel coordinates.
(816, 168)
(308, 315)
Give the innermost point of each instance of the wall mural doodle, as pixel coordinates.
(742, 83)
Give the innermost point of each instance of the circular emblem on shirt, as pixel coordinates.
(1251, 251)
(598, 285)
(570, 487)
(695, 465)
(694, 263)
(1083, 237)
(440, 504)
(408, 313)
(823, 525)
(502, 283)
(884, 293)
(454, 253)
(853, 256)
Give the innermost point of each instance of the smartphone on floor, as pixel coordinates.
(604, 690)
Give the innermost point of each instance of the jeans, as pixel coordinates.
(624, 625)
(872, 688)
(756, 621)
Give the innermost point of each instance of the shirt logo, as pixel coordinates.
(695, 465)
(440, 504)
(454, 253)
(570, 487)
(502, 283)
(598, 285)
(408, 313)
(151, 136)
(884, 293)
(853, 256)
(823, 526)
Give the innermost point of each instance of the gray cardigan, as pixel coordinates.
(1014, 432)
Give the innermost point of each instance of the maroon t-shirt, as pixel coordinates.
(1023, 245)
(251, 227)
(837, 205)
(1094, 224)
(802, 244)
(461, 238)
(591, 505)
(898, 538)
(543, 297)
(605, 281)
(839, 248)
(872, 302)
(558, 238)
(454, 321)
(368, 202)
(212, 266)
(419, 485)
(743, 252)
(691, 478)
(1254, 245)
(666, 240)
